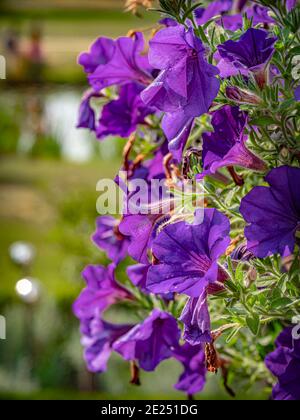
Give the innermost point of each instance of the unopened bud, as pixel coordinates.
(284, 152)
(242, 96)
(251, 276)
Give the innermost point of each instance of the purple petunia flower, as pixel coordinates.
(141, 220)
(284, 363)
(186, 85)
(98, 337)
(121, 116)
(168, 22)
(150, 342)
(215, 8)
(225, 146)
(258, 14)
(155, 166)
(109, 238)
(86, 118)
(101, 292)
(251, 53)
(196, 320)
(193, 379)
(188, 254)
(195, 315)
(100, 53)
(138, 275)
(141, 228)
(127, 64)
(273, 213)
(291, 4)
(241, 4)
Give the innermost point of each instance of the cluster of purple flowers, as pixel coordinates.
(175, 83)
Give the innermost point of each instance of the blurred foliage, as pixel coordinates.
(41, 338)
(10, 132)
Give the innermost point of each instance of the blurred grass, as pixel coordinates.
(64, 14)
(88, 23)
(135, 394)
(52, 205)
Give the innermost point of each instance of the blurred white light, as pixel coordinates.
(24, 287)
(28, 289)
(22, 253)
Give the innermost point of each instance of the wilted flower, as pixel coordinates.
(134, 5)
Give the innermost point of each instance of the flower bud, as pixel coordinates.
(242, 96)
(251, 276)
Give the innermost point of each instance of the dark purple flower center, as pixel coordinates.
(192, 53)
(201, 261)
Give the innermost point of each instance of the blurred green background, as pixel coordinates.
(48, 176)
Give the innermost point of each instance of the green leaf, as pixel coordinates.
(206, 25)
(239, 273)
(231, 286)
(188, 12)
(286, 104)
(253, 323)
(280, 303)
(202, 35)
(294, 51)
(262, 121)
